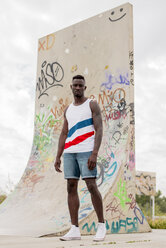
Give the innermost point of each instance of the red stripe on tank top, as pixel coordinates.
(78, 139)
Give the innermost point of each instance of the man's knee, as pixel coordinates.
(72, 186)
(91, 185)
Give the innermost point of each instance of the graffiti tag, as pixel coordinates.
(50, 76)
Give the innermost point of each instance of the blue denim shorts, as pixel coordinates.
(75, 164)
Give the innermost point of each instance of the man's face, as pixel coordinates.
(78, 87)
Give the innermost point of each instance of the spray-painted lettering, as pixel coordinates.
(50, 76)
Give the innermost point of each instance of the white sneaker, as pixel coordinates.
(73, 234)
(101, 232)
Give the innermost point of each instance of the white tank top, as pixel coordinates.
(81, 129)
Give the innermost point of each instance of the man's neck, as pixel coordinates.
(79, 100)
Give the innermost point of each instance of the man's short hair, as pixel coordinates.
(79, 77)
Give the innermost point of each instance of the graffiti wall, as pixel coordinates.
(145, 183)
(101, 49)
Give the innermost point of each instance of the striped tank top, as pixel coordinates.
(81, 132)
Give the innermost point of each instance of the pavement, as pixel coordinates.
(154, 239)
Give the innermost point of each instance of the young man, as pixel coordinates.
(80, 140)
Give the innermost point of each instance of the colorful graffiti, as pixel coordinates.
(89, 228)
(106, 170)
(44, 128)
(74, 68)
(114, 209)
(110, 82)
(31, 178)
(118, 117)
(139, 215)
(113, 80)
(47, 43)
(47, 122)
(121, 193)
(131, 204)
(58, 111)
(128, 225)
(111, 103)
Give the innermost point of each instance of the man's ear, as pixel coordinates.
(70, 86)
(85, 87)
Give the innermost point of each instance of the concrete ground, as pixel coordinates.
(155, 239)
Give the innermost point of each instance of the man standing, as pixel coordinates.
(80, 140)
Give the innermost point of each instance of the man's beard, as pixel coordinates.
(78, 95)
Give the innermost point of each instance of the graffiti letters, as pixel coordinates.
(50, 76)
(93, 226)
(111, 80)
(128, 222)
(58, 112)
(47, 43)
(107, 98)
(112, 104)
(131, 65)
(130, 225)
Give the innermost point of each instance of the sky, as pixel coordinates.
(23, 22)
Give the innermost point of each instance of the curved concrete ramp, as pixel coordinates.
(100, 48)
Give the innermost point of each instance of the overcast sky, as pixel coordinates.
(23, 22)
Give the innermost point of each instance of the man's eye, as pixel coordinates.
(80, 85)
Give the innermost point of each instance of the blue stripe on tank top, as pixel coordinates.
(79, 125)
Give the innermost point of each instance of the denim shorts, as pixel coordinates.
(75, 164)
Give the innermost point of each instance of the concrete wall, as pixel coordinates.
(145, 183)
(100, 48)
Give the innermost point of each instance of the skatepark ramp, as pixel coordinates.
(101, 49)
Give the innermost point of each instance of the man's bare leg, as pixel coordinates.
(73, 200)
(96, 198)
(73, 204)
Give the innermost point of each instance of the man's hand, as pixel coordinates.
(57, 165)
(92, 161)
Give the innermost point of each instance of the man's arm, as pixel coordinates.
(98, 125)
(61, 143)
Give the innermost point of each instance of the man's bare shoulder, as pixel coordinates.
(94, 105)
(65, 110)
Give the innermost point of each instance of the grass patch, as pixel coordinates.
(136, 241)
(157, 223)
(2, 198)
(109, 243)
